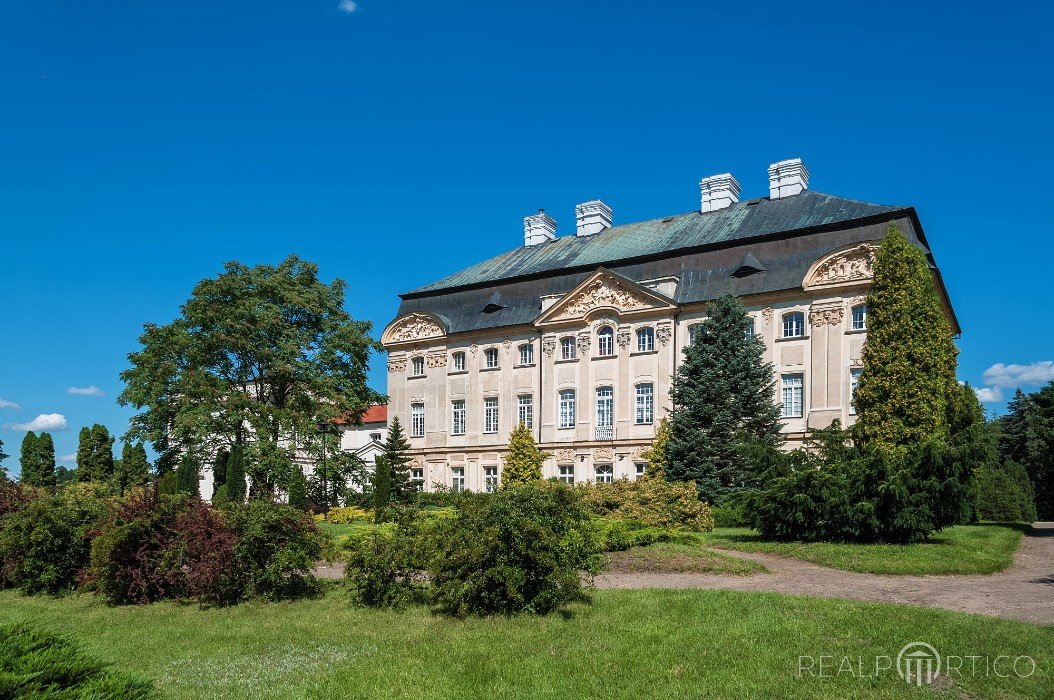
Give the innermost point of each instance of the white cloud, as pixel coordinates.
(1012, 376)
(45, 421)
(989, 394)
(68, 458)
(348, 6)
(9, 404)
(85, 391)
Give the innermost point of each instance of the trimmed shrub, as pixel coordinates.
(439, 499)
(520, 550)
(653, 502)
(619, 535)
(276, 549)
(222, 496)
(384, 566)
(1004, 493)
(345, 515)
(39, 664)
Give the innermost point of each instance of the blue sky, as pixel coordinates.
(144, 144)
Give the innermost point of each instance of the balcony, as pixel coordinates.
(605, 433)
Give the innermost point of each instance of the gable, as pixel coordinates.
(605, 291)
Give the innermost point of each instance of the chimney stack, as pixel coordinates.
(718, 192)
(592, 217)
(787, 178)
(538, 228)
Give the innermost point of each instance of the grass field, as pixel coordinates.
(628, 644)
(678, 558)
(984, 548)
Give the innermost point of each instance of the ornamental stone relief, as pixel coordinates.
(831, 316)
(603, 291)
(623, 338)
(603, 454)
(565, 456)
(853, 265)
(414, 327)
(397, 365)
(473, 348)
(436, 360)
(549, 346)
(583, 343)
(767, 315)
(663, 334)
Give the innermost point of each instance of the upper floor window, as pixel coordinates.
(457, 417)
(693, 332)
(490, 358)
(525, 410)
(606, 342)
(859, 317)
(490, 415)
(567, 408)
(567, 348)
(375, 437)
(792, 395)
(605, 407)
(418, 366)
(526, 354)
(794, 324)
(645, 339)
(854, 381)
(645, 404)
(459, 362)
(417, 420)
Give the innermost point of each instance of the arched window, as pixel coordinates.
(794, 324)
(606, 341)
(860, 317)
(645, 339)
(567, 348)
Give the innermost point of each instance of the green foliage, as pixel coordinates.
(235, 482)
(133, 469)
(520, 550)
(733, 512)
(723, 396)
(187, 475)
(39, 664)
(3, 456)
(618, 535)
(654, 502)
(95, 454)
(276, 550)
(168, 484)
(1028, 439)
(1005, 494)
(395, 454)
(656, 454)
(908, 376)
(338, 475)
(219, 468)
(523, 463)
(38, 460)
(298, 489)
(384, 567)
(221, 496)
(382, 488)
(261, 351)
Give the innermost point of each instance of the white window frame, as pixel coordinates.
(645, 339)
(457, 417)
(457, 479)
(459, 362)
(854, 382)
(792, 395)
(527, 354)
(644, 404)
(639, 468)
(693, 332)
(568, 348)
(525, 410)
(604, 473)
(417, 420)
(567, 408)
(566, 473)
(491, 359)
(417, 366)
(490, 479)
(605, 406)
(490, 414)
(417, 478)
(859, 323)
(752, 329)
(606, 342)
(793, 321)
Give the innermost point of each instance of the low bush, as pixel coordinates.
(14, 496)
(275, 551)
(1005, 493)
(654, 502)
(345, 515)
(520, 550)
(384, 566)
(38, 664)
(733, 512)
(617, 535)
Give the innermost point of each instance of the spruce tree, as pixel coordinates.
(395, 448)
(382, 488)
(1028, 439)
(908, 376)
(133, 469)
(236, 474)
(523, 463)
(298, 489)
(656, 454)
(45, 461)
(29, 460)
(187, 475)
(723, 398)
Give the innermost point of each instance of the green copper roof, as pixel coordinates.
(759, 217)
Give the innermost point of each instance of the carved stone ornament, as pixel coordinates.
(623, 338)
(583, 343)
(565, 456)
(663, 334)
(603, 291)
(416, 462)
(473, 348)
(414, 327)
(853, 265)
(606, 321)
(507, 344)
(397, 365)
(549, 346)
(603, 454)
(830, 316)
(767, 315)
(436, 360)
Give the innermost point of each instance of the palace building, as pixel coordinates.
(578, 337)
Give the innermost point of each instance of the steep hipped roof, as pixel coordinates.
(753, 218)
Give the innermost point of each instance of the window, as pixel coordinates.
(375, 437)
(854, 381)
(860, 317)
(644, 408)
(490, 479)
(606, 342)
(526, 354)
(459, 362)
(525, 410)
(794, 324)
(417, 478)
(490, 415)
(457, 479)
(693, 332)
(645, 339)
(791, 400)
(567, 408)
(639, 468)
(751, 331)
(490, 358)
(457, 417)
(604, 473)
(567, 473)
(417, 420)
(567, 348)
(418, 366)
(605, 401)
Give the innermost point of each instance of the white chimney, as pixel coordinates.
(787, 178)
(592, 217)
(718, 192)
(538, 228)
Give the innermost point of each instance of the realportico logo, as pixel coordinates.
(918, 663)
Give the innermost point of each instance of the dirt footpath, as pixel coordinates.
(1024, 592)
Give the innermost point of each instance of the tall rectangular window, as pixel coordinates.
(490, 358)
(604, 473)
(860, 317)
(751, 330)
(417, 420)
(792, 399)
(567, 473)
(490, 479)
(525, 410)
(490, 415)
(567, 408)
(606, 342)
(457, 417)
(457, 479)
(644, 408)
(605, 404)
(645, 339)
(418, 365)
(567, 348)
(459, 362)
(854, 381)
(526, 354)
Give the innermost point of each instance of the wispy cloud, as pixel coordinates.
(68, 458)
(1013, 376)
(45, 421)
(987, 394)
(9, 404)
(86, 391)
(348, 6)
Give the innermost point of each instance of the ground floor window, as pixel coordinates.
(792, 393)
(490, 479)
(604, 473)
(854, 380)
(639, 467)
(457, 479)
(567, 473)
(417, 478)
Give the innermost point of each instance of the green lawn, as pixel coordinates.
(671, 557)
(984, 548)
(628, 644)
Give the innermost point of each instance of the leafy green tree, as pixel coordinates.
(1028, 439)
(656, 454)
(29, 459)
(187, 475)
(85, 455)
(382, 488)
(236, 475)
(219, 468)
(523, 463)
(133, 469)
(395, 449)
(257, 355)
(95, 454)
(723, 398)
(298, 489)
(908, 376)
(45, 461)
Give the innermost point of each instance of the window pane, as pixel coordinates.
(854, 381)
(567, 408)
(793, 325)
(459, 361)
(605, 401)
(606, 341)
(567, 348)
(859, 317)
(525, 411)
(417, 420)
(526, 354)
(604, 473)
(791, 395)
(644, 407)
(457, 414)
(645, 340)
(490, 415)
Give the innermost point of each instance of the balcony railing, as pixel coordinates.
(605, 433)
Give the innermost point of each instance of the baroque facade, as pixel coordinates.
(579, 336)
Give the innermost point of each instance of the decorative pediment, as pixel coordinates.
(608, 292)
(845, 267)
(413, 328)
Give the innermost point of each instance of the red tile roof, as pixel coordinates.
(376, 414)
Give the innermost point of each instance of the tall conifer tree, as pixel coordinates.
(395, 448)
(45, 461)
(1028, 439)
(523, 464)
(29, 460)
(3, 469)
(85, 455)
(133, 469)
(236, 474)
(723, 398)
